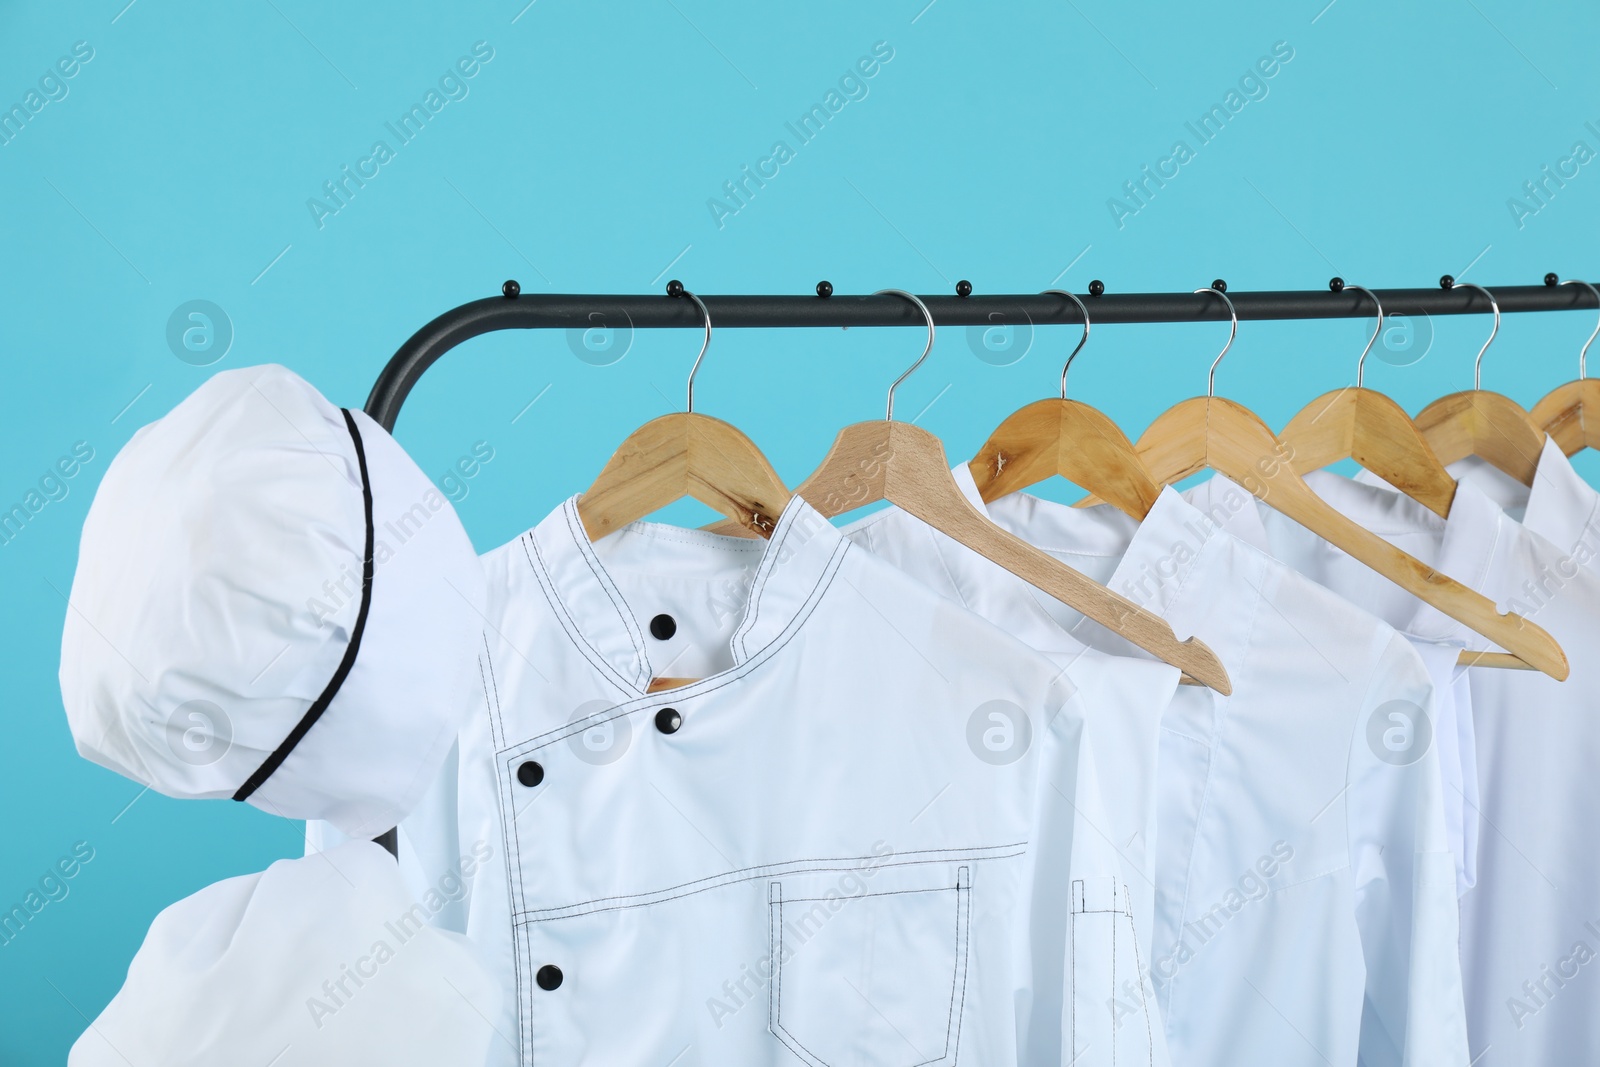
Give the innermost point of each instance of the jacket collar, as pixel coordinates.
(801, 553)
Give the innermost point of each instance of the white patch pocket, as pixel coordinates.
(1107, 1007)
(874, 977)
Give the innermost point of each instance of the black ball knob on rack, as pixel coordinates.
(1552, 278)
(824, 289)
(963, 288)
(1336, 284)
(1219, 285)
(674, 288)
(511, 290)
(1097, 288)
(1447, 282)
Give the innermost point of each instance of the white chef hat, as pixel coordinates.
(314, 961)
(226, 636)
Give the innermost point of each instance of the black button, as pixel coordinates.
(549, 977)
(530, 774)
(668, 720)
(662, 627)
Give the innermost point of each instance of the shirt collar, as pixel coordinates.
(1562, 508)
(802, 551)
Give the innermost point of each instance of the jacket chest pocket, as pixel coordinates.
(872, 977)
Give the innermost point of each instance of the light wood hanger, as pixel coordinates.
(1209, 432)
(1373, 430)
(1067, 438)
(906, 466)
(1490, 426)
(683, 455)
(1570, 413)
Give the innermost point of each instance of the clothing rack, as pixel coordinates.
(516, 310)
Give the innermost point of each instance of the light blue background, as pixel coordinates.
(179, 165)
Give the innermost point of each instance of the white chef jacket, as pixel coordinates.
(824, 851)
(1305, 888)
(1530, 930)
(1409, 528)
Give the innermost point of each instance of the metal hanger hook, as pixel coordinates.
(1233, 331)
(1081, 341)
(926, 314)
(1583, 357)
(1377, 329)
(705, 344)
(1477, 364)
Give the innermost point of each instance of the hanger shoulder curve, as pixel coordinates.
(681, 455)
(1369, 427)
(1570, 414)
(906, 466)
(1239, 446)
(1070, 439)
(1488, 425)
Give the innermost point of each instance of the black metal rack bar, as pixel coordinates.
(530, 311)
(515, 310)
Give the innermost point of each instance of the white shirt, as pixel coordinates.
(1305, 891)
(1409, 528)
(834, 855)
(1530, 930)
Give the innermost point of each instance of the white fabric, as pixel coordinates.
(314, 962)
(1124, 697)
(218, 584)
(1418, 532)
(858, 788)
(1305, 903)
(1531, 928)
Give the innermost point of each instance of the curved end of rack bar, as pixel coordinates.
(532, 311)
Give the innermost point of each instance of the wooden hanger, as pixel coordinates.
(1489, 426)
(1209, 432)
(1067, 438)
(906, 466)
(1570, 413)
(1373, 430)
(683, 455)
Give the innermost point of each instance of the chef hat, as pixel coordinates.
(225, 637)
(314, 961)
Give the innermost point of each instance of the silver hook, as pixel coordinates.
(929, 348)
(1233, 331)
(1361, 363)
(1081, 341)
(1477, 364)
(705, 344)
(1583, 357)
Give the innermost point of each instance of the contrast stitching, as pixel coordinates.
(580, 539)
(568, 624)
(722, 881)
(648, 700)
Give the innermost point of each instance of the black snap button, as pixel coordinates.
(662, 627)
(530, 774)
(549, 977)
(668, 720)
